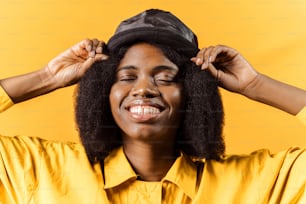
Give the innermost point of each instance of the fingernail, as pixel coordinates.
(99, 49)
(92, 54)
(198, 61)
(203, 67)
(206, 63)
(104, 57)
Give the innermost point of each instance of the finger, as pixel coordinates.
(80, 49)
(95, 43)
(99, 49)
(88, 44)
(92, 47)
(215, 52)
(206, 57)
(89, 47)
(87, 64)
(100, 57)
(193, 59)
(228, 53)
(212, 69)
(198, 60)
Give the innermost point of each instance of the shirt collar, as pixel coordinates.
(183, 172)
(117, 169)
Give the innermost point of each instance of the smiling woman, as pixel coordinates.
(145, 74)
(150, 118)
(145, 99)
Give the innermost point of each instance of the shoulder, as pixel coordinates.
(35, 151)
(46, 169)
(26, 142)
(282, 175)
(259, 165)
(256, 163)
(261, 157)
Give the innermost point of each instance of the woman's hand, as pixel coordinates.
(68, 67)
(232, 70)
(235, 74)
(64, 70)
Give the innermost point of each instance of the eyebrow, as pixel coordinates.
(158, 68)
(163, 67)
(126, 68)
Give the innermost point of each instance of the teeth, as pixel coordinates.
(144, 110)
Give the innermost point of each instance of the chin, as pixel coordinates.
(148, 133)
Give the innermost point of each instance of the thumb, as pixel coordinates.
(90, 60)
(87, 63)
(214, 72)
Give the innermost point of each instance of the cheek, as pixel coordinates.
(174, 98)
(115, 98)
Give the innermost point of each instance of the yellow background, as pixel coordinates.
(271, 34)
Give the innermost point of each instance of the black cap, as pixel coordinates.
(158, 26)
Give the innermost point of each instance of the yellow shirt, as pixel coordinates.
(34, 170)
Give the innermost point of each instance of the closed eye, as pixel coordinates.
(165, 81)
(165, 75)
(127, 78)
(126, 74)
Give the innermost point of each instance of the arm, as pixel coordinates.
(64, 70)
(237, 75)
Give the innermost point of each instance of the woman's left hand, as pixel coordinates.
(231, 69)
(235, 74)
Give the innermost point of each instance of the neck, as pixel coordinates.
(150, 161)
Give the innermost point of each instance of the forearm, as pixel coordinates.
(24, 87)
(277, 94)
(64, 70)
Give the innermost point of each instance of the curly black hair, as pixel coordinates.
(200, 134)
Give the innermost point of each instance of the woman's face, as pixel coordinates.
(146, 97)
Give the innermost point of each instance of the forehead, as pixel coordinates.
(145, 55)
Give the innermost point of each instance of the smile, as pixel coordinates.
(141, 111)
(144, 110)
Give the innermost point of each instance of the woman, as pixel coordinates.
(150, 120)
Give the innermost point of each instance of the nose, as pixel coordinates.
(145, 88)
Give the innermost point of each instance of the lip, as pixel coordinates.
(152, 103)
(144, 117)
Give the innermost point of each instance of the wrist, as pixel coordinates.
(47, 79)
(277, 94)
(252, 91)
(26, 86)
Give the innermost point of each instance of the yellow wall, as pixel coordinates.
(271, 34)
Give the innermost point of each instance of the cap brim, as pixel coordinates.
(161, 36)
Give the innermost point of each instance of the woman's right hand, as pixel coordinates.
(64, 70)
(68, 67)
